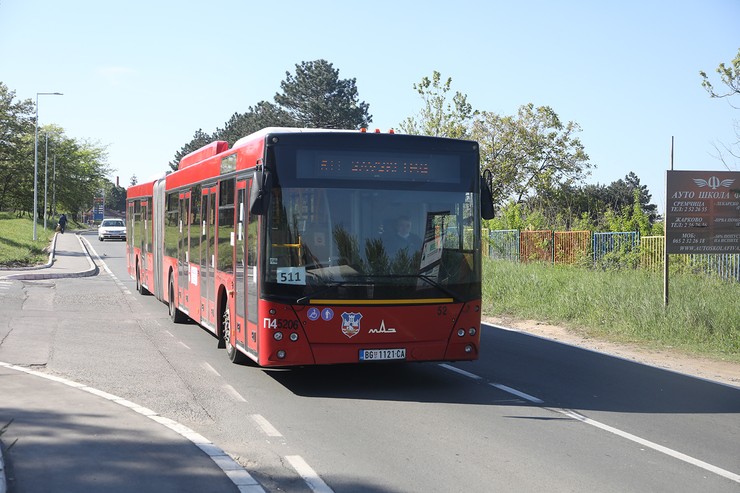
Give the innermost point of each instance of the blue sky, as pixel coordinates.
(140, 77)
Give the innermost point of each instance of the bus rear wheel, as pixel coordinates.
(176, 315)
(139, 286)
(232, 352)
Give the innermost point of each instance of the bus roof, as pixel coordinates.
(259, 134)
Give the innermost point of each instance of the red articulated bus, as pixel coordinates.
(306, 247)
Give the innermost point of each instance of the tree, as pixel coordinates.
(316, 97)
(730, 77)
(599, 206)
(531, 153)
(16, 150)
(264, 114)
(200, 138)
(440, 117)
(81, 173)
(115, 197)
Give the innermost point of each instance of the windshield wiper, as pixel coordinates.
(367, 280)
(305, 299)
(455, 297)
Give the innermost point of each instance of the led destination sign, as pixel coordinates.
(333, 165)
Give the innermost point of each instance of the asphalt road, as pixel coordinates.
(530, 415)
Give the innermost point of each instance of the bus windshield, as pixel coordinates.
(371, 244)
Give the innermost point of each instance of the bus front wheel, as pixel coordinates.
(232, 352)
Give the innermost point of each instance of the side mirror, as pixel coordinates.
(487, 210)
(259, 196)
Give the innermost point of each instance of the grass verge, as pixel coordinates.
(702, 318)
(17, 248)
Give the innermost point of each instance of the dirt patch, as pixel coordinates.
(711, 369)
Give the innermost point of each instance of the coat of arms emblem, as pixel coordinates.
(351, 324)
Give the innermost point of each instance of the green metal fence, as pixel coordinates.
(569, 247)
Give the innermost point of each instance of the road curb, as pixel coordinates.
(238, 475)
(91, 271)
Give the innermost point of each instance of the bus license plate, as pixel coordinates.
(382, 354)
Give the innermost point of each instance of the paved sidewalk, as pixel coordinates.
(59, 436)
(69, 258)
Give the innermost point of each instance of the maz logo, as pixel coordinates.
(382, 329)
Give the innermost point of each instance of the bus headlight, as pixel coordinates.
(460, 332)
(294, 336)
(280, 354)
(468, 348)
(278, 336)
(472, 331)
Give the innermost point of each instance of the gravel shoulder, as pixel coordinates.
(726, 372)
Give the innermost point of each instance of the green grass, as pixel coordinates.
(702, 317)
(17, 247)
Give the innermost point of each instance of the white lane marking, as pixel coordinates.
(309, 475)
(209, 368)
(118, 282)
(233, 470)
(233, 392)
(183, 344)
(92, 249)
(647, 443)
(265, 425)
(517, 393)
(611, 355)
(583, 419)
(461, 372)
(499, 386)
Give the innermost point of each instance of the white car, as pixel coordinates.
(112, 229)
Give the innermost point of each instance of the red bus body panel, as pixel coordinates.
(427, 332)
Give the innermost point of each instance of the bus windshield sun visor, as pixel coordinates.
(259, 198)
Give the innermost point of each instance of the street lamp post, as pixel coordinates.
(54, 189)
(46, 175)
(36, 161)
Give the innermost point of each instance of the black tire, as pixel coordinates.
(176, 315)
(232, 352)
(139, 286)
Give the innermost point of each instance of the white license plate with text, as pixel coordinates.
(382, 354)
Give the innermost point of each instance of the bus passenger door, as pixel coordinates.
(144, 240)
(130, 238)
(252, 243)
(239, 267)
(183, 249)
(208, 260)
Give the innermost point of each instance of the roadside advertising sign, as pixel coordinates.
(98, 208)
(702, 212)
